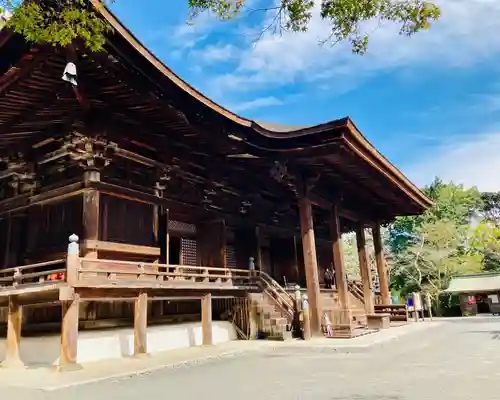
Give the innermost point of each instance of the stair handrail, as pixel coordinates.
(279, 291)
(355, 290)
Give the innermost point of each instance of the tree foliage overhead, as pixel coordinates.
(59, 22)
(345, 16)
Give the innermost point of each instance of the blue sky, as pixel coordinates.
(431, 103)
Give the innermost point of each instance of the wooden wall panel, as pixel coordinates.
(12, 240)
(325, 259)
(49, 227)
(126, 221)
(283, 259)
(211, 243)
(245, 245)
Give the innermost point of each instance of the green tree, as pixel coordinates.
(427, 250)
(438, 252)
(491, 207)
(451, 203)
(59, 22)
(485, 242)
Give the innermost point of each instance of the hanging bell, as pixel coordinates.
(69, 74)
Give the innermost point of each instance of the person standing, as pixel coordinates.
(328, 278)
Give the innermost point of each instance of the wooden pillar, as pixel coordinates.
(338, 260)
(297, 269)
(206, 319)
(311, 263)
(167, 236)
(160, 226)
(364, 269)
(381, 266)
(13, 343)
(141, 325)
(69, 333)
(258, 256)
(90, 215)
(223, 243)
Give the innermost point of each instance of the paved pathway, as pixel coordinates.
(458, 359)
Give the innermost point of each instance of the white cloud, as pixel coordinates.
(257, 103)
(465, 34)
(471, 162)
(217, 53)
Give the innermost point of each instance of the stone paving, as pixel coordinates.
(456, 359)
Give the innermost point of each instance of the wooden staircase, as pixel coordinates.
(357, 303)
(329, 299)
(274, 307)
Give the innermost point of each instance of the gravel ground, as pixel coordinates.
(459, 359)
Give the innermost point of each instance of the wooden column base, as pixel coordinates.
(13, 364)
(206, 320)
(69, 367)
(141, 325)
(69, 335)
(13, 341)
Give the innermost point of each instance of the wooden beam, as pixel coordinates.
(206, 320)
(24, 201)
(338, 260)
(364, 269)
(69, 334)
(127, 193)
(327, 205)
(112, 247)
(13, 342)
(311, 263)
(381, 265)
(114, 293)
(141, 325)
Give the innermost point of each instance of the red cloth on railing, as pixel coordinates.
(56, 277)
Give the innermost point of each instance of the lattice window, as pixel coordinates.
(181, 227)
(230, 256)
(188, 251)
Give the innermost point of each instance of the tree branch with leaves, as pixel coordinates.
(59, 22)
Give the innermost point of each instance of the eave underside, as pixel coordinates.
(147, 115)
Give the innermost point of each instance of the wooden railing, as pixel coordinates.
(76, 270)
(356, 290)
(277, 293)
(100, 271)
(397, 312)
(33, 274)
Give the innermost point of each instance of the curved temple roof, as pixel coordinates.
(274, 137)
(132, 87)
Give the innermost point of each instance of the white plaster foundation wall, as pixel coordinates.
(101, 345)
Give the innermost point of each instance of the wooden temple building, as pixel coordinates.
(123, 185)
